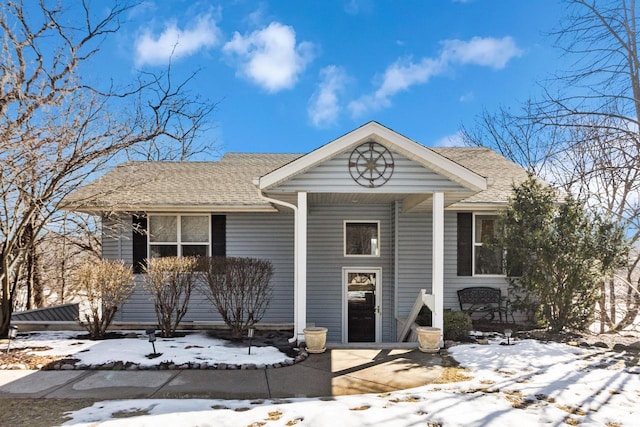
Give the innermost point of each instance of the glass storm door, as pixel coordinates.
(362, 304)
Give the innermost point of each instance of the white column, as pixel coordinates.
(437, 273)
(301, 267)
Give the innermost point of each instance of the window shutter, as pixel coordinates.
(139, 243)
(514, 268)
(219, 235)
(465, 244)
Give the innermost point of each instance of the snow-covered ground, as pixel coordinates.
(195, 347)
(526, 384)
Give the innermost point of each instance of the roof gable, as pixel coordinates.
(374, 131)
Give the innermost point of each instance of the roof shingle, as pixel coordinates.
(228, 183)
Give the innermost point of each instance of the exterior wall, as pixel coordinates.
(326, 260)
(453, 282)
(414, 258)
(266, 236)
(271, 236)
(333, 175)
(116, 238)
(414, 262)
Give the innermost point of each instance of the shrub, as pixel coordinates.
(557, 255)
(239, 289)
(457, 325)
(170, 280)
(106, 284)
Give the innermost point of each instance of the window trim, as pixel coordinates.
(475, 245)
(344, 237)
(178, 242)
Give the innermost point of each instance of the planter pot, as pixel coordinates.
(316, 339)
(429, 339)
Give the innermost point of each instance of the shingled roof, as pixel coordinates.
(502, 173)
(227, 184)
(218, 186)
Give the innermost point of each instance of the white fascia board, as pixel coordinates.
(477, 207)
(178, 209)
(395, 141)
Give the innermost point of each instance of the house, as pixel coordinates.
(355, 229)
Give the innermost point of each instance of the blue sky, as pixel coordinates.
(289, 76)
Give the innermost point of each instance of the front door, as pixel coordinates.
(361, 306)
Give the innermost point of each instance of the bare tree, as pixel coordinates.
(598, 100)
(589, 118)
(517, 136)
(604, 79)
(56, 130)
(600, 169)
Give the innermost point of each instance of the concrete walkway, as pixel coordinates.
(333, 373)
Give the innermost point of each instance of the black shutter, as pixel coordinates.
(139, 243)
(514, 267)
(465, 244)
(219, 235)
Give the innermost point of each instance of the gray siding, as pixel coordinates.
(116, 238)
(414, 258)
(271, 236)
(333, 176)
(453, 282)
(326, 260)
(265, 236)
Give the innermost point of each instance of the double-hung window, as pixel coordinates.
(179, 235)
(488, 259)
(362, 238)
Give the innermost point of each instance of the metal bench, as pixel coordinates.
(484, 301)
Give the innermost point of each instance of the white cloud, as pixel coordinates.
(486, 52)
(324, 106)
(467, 97)
(270, 57)
(175, 43)
(453, 140)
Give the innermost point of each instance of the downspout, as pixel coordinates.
(293, 207)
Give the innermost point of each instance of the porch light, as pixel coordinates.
(250, 333)
(13, 332)
(151, 333)
(508, 333)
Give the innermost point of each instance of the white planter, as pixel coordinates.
(315, 339)
(429, 339)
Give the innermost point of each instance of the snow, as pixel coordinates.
(530, 383)
(194, 347)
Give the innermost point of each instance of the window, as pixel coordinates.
(179, 235)
(487, 260)
(361, 238)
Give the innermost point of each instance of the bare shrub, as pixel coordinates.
(239, 288)
(106, 284)
(170, 280)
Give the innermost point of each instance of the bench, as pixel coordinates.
(484, 301)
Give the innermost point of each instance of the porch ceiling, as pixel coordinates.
(411, 202)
